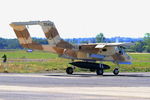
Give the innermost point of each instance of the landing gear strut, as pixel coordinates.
(69, 70)
(99, 71)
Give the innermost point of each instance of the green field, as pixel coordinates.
(21, 61)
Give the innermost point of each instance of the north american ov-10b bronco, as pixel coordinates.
(82, 55)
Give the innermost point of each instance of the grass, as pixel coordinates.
(28, 55)
(52, 63)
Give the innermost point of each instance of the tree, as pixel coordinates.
(138, 47)
(147, 42)
(84, 42)
(100, 38)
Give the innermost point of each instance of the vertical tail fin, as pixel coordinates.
(53, 36)
(49, 30)
(22, 35)
(26, 41)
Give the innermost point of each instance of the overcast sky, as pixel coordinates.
(79, 18)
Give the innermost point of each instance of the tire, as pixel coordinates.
(99, 71)
(69, 70)
(116, 71)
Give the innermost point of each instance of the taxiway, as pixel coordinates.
(80, 86)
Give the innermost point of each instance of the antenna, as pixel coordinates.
(117, 40)
(27, 26)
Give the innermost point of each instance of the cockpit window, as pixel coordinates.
(121, 50)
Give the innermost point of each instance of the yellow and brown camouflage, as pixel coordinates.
(100, 52)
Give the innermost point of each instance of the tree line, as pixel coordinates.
(140, 46)
(14, 43)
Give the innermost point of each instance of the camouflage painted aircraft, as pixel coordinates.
(83, 55)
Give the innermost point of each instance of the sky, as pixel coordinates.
(79, 18)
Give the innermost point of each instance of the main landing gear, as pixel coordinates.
(99, 71)
(98, 67)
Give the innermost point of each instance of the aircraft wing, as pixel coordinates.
(113, 44)
(102, 45)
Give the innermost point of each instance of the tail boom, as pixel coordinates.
(49, 30)
(26, 41)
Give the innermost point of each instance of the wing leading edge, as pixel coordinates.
(102, 45)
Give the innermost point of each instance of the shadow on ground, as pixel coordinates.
(105, 75)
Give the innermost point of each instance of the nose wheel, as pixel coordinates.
(116, 71)
(69, 70)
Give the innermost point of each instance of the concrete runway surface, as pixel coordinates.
(80, 86)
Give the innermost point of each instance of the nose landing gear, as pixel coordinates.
(116, 71)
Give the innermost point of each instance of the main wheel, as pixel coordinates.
(99, 71)
(116, 71)
(69, 70)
